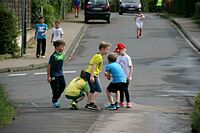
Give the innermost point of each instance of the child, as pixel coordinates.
(114, 70)
(40, 35)
(92, 75)
(125, 61)
(77, 89)
(55, 73)
(139, 23)
(57, 32)
(76, 7)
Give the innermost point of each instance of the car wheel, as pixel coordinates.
(120, 12)
(108, 20)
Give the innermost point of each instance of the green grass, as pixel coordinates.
(196, 116)
(7, 111)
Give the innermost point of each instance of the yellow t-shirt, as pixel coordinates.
(75, 86)
(98, 59)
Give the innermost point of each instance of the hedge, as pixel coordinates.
(196, 116)
(197, 11)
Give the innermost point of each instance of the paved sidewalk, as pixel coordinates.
(190, 29)
(73, 28)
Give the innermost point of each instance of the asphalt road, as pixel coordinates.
(166, 77)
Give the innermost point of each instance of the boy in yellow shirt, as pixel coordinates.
(92, 75)
(77, 89)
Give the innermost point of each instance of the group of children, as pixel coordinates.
(119, 69)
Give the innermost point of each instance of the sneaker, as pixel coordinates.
(122, 104)
(38, 56)
(43, 56)
(128, 105)
(92, 107)
(74, 105)
(56, 105)
(117, 105)
(111, 107)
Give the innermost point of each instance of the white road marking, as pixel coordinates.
(34, 105)
(39, 73)
(20, 74)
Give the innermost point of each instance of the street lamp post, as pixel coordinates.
(23, 46)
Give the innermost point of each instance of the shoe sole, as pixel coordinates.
(92, 109)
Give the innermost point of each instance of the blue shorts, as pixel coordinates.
(94, 87)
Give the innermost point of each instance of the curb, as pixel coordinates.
(186, 34)
(71, 50)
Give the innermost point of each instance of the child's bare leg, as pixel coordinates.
(140, 32)
(117, 95)
(109, 97)
(137, 32)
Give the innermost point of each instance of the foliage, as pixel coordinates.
(197, 11)
(196, 116)
(7, 111)
(8, 32)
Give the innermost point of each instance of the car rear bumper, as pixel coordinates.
(129, 9)
(97, 15)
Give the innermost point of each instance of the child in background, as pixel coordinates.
(40, 35)
(114, 71)
(77, 89)
(76, 4)
(139, 23)
(55, 73)
(92, 75)
(125, 61)
(57, 32)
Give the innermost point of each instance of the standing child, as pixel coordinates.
(139, 23)
(77, 89)
(76, 7)
(92, 75)
(125, 61)
(114, 71)
(40, 35)
(57, 32)
(55, 73)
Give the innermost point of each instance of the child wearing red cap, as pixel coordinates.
(125, 61)
(139, 22)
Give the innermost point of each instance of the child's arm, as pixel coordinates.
(52, 37)
(92, 72)
(108, 75)
(36, 30)
(48, 73)
(130, 72)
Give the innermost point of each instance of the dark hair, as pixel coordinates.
(58, 43)
(57, 22)
(112, 57)
(82, 74)
(41, 17)
(104, 45)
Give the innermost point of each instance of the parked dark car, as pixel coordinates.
(97, 9)
(129, 6)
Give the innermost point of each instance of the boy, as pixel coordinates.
(125, 61)
(55, 73)
(57, 32)
(139, 23)
(92, 75)
(40, 35)
(77, 89)
(114, 70)
(76, 4)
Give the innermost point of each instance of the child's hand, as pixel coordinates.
(108, 75)
(49, 79)
(92, 79)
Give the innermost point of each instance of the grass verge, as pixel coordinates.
(7, 111)
(196, 116)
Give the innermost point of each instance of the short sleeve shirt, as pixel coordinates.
(125, 62)
(98, 60)
(75, 86)
(41, 29)
(57, 33)
(117, 73)
(56, 61)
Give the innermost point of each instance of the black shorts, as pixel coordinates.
(114, 87)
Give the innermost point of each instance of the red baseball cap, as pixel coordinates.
(119, 47)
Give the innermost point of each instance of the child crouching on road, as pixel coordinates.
(77, 89)
(55, 73)
(114, 71)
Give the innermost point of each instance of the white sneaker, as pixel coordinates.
(43, 56)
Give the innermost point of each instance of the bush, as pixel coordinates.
(196, 116)
(197, 11)
(8, 32)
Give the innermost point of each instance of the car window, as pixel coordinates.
(131, 1)
(97, 1)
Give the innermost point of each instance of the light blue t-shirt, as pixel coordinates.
(40, 29)
(117, 72)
